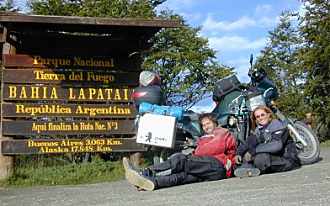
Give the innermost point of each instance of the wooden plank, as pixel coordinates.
(68, 110)
(60, 76)
(117, 63)
(53, 146)
(68, 127)
(97, 21)
(14, 92)
(3, 35)
(119, 47)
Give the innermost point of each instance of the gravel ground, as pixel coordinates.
(309, 185)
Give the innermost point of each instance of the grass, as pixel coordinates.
(37, 170)
(95, 171)
(325, 143)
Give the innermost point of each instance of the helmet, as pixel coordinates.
(148, 78)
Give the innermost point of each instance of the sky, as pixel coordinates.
(235, 28)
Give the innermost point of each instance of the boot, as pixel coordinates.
(246, 170)
(136, 178)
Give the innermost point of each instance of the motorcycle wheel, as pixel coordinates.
(310, 153)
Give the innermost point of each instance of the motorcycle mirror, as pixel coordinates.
(251, 60)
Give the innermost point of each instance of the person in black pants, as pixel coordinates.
(269, 150)
(213, 159)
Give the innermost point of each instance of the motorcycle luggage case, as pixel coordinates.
(157, 130)
(225, 86)
(150, 94)
(173, 111)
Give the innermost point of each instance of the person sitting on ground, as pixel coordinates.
(213, 159)
(269, 150)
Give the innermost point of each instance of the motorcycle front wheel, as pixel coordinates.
(310, 153)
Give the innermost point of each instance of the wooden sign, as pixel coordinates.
(68, 110)
(55, 62)
(118, 63)
(52, 146)
(74, 127)
(60, 76)
(47, 92)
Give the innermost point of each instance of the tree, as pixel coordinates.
(315, 28)
(281, 60)
(99, 8)
(183, 59)
(185, 62)
(7, 5)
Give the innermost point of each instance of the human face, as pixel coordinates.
(208, 125)
(262, 117)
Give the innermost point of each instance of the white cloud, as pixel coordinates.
(192, 16)
(243, 22)
(235, 43)
(263, 9)
(269, 21)
(210, 24)
(241, 65)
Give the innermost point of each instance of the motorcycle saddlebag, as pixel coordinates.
(225, 86)
(150, 94)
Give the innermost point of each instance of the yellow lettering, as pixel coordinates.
(117, 95)
(53, 95)
(34, 92)
(71, 94)
(100, 94)
(23, 93)
(12, 91)
(45, 91)
(126, 94)
(109, 93)
(81, 94)
(92, 92)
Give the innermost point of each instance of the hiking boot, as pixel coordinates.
(246, 172)
(135, 178)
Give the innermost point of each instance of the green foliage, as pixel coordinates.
(99, 8)
(6, 5)
(316, 56)
(281, 60)
(325, 144)
(302, 55)
(58, 174)
(185, 62)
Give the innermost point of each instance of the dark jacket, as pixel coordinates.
(272, 138)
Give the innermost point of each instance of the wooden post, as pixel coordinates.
(6, 162)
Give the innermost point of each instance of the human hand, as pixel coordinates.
(228, 164)
(247, 156)
(189, 142)
(238, 159)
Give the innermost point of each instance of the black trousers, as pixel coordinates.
(269, 163)
(181, 169)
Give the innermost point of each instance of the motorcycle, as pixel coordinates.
(234, 105)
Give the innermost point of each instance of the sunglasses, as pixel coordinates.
(261, 115)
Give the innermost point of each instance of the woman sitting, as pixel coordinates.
(269, 150)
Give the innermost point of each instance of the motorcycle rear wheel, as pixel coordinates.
(310, 153)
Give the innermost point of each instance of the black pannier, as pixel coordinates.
(225, 86)
(150, 94)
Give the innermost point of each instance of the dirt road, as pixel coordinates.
(309, 185)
